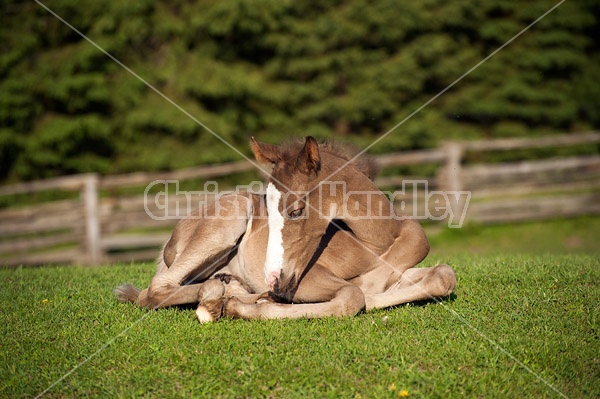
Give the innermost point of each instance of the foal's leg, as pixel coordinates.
(327, 295)
(403, 282)
(215, 292)
(195, 251)
(414, 285)
(409, 249)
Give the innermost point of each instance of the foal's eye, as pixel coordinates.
(295, 214)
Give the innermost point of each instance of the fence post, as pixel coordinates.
(452, 174)
(89, 194)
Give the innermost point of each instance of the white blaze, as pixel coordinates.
(274, 259)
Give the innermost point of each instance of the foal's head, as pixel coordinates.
(298, 213)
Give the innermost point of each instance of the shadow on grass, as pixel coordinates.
(450, 298)
(431, 301)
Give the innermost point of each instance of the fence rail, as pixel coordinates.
(98, 225)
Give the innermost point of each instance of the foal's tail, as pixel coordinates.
(127, 293)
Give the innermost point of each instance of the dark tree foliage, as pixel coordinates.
(278, 69)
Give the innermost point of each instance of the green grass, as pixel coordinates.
(577, 235)
(512, 315)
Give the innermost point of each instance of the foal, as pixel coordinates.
(323, 241)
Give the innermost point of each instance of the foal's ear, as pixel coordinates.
(265, 153)
(309, 159)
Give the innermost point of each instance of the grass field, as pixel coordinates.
(520, 324)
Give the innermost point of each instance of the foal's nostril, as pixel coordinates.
(273, 280)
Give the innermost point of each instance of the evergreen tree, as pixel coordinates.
(275, 69)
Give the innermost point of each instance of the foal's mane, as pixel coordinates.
(347, 152)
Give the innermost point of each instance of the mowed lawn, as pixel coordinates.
(519, 325)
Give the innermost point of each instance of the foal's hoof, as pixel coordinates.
(209, 311)
(203, 315)
(210, 298)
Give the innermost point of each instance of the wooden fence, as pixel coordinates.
(101, 225)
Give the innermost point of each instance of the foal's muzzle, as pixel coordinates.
(272, 278)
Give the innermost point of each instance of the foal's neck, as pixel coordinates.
(365, 209)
